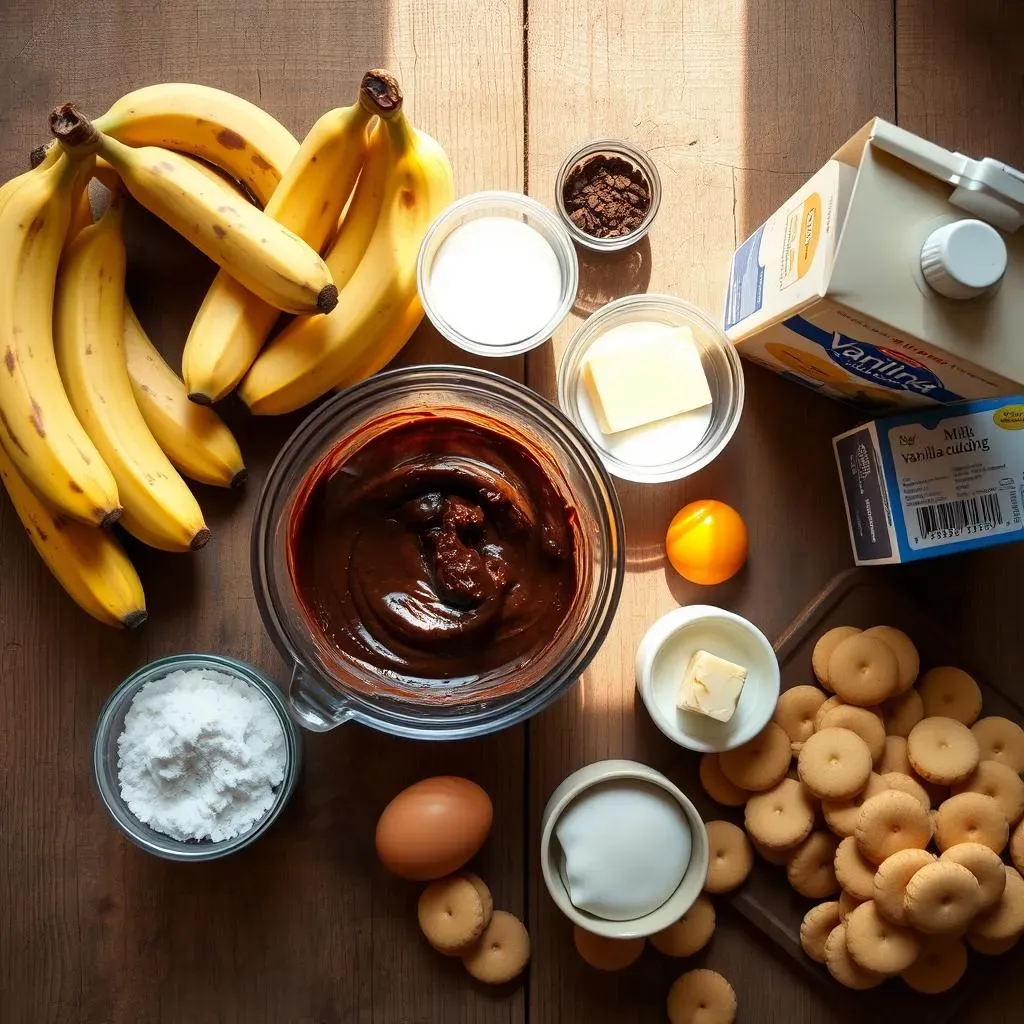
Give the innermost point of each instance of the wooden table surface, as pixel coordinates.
(739, 101)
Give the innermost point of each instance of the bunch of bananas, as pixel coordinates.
(94, 426)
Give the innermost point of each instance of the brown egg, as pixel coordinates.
(434, 827)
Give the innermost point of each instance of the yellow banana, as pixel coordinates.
(143, 532)
(267, 258)
(195, 439)
(360, 217)
(232, 323)
(381, 308)
(87, 561)
(81, 210)
(231, 133)
(38, 427)
(89, 327)
(8, 188)
(111, 180)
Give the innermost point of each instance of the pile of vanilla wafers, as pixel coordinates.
(886, 795)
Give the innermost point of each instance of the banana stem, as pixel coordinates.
(75, 167)
(40, 153)
(380, 93)
(46, 158)
(73, 130)
(114, 213)
(401, 132)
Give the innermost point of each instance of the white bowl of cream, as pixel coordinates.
(661, 661)
(624, 853)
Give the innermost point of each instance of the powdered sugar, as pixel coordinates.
(201, 755)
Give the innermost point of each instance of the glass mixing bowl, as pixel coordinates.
(327, 688)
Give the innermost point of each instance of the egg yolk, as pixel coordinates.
(707, 542)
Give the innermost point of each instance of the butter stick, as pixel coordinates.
(655, 377)
(711, 686)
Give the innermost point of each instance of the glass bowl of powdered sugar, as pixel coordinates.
(195, 756)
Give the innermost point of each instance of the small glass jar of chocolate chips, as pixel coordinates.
(607, 194)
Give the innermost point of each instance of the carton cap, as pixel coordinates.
(963, 259)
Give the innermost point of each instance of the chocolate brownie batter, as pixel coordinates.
(437, 550)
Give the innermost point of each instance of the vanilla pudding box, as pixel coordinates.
(934, 481)
(893, 279)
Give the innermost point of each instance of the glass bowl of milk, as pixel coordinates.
(675, 446)
(497, 273)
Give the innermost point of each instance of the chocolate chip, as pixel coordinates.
(606, 196)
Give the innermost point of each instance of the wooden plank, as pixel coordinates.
(738, 102)
(304, 926)
(960, 82)
(960, 77)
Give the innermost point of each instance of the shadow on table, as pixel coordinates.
(606, 276)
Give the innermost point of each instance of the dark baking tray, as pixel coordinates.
(865, 597)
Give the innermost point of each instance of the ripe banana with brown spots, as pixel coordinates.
(233, 134)
(406, 184)
(81, 205)
(87, 561)
(38, 427)
(89, 326)
(268, 259)
(233, 323)
(193, 437)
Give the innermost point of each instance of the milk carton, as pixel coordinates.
(934, 481)
(893, 279)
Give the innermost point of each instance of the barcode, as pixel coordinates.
(984, 510)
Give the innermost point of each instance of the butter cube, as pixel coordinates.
(657, 375)
(711, 686)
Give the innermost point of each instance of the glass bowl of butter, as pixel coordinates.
(656, 386)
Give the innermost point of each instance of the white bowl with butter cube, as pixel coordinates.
(708, 678)
(655, 385)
